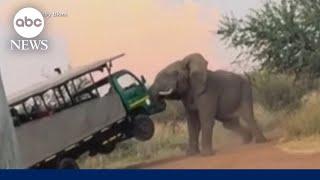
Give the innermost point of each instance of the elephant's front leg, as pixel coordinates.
(206, 114)
(194, 131)
(206, 137)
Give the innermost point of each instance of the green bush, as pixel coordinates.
(277, 91)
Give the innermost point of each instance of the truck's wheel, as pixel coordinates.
(143, 128)
(68, 163)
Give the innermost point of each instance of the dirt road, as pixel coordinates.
(258, 156)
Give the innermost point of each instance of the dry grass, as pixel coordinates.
(268, 120)
(304, 145)
(302, 127)
(305, 121)
(167, 142)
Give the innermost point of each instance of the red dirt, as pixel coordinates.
(253, 156)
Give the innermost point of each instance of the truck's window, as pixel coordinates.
(84, 96)
(30, 105)
(100, 88)
(35, 108)
(82, 82)
(99, 74)
(19, 109)
(65, 94)
(19, 115)
(63, 97)
(71, 87)
(104, 89)
(127, 81)
(59, 97)
(39, 102)
(40, 109)
(51, 100)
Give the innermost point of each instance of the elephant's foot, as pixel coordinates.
(247, 138)
(261, 139)
(192, 151)
(207, 152)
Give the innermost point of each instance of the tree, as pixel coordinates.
(9, 157)
(281, 37)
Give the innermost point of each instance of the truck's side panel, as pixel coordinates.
(42, 138)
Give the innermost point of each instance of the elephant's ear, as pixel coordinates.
(197, 69)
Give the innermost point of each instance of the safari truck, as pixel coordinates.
(89, 109)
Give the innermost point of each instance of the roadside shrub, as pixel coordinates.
(305, 121)
(277, 91)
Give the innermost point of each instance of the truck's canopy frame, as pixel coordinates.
(73, 74)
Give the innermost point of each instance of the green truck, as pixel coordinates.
(88, 109)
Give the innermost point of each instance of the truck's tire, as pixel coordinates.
(143, 128)
(67, 163)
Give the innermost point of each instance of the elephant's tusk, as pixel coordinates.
(165, 93)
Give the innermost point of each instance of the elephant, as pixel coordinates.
(208, 96)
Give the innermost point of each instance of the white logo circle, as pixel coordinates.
(28, 22)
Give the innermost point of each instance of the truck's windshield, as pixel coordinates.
(127, 81)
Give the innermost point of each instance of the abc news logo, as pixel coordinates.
(28, 23)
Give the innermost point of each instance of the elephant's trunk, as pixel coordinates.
(154, 93)
(156, 99)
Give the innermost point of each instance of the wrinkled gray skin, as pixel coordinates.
(208, 96)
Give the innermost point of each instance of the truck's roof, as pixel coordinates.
(43, 86)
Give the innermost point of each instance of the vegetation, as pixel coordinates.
(305, 145)
(277, 92)
(172, 116)
(306, 120)
(281, 37)
(165, 143)
(302, 128)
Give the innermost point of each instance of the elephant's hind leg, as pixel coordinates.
(233, 124)
(247, 115)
